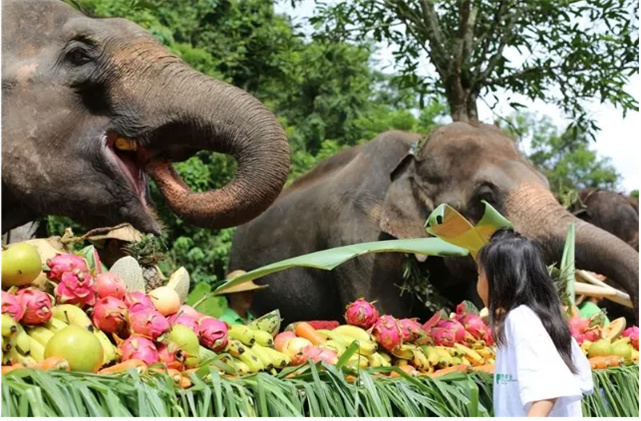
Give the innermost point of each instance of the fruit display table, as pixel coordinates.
(313, 390)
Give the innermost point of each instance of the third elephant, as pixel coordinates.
(384, 190)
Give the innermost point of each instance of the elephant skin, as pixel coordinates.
(382, 190)
(73, 85)
(611, 211)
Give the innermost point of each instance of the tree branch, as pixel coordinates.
(434, 34)
(485, 37)
(494, 59)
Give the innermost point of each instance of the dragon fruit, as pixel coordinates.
(324, 324)
(76, 287)
(110, 315)
(489, 339)
(63, 263)
(578, 324)
(388, 333)
(316, 355)
(443, 337)
(36, 304)
(137, 301)
(460, 334)
(149, 323)
(12, 306)
(189, 311)
(185, 320)
(110, 285)
(433, 321)
(474, 325)
(213, 333)
(172, 356)
(412, 330)
(139, 348)
(633, 334)
(361, 313)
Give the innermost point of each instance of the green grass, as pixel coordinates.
(313, 391)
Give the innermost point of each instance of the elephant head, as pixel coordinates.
(90, 107)
(462, 165)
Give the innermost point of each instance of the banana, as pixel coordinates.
(9, 326)
(265, 357)
(485, 352)
(377, 360)
(623, 340)
(10, 342)
(400, 362)
(37, 350)
(365, 347)
(353, 332)
(333, 345)
(466, 362)
(40, 334)
(405, 351)
(450, 350)
(269, 323)
(26, 360)
(242, 333)
(263, 338)
(23, 343)
(252, 360)
(431, 353)
(280, 359)
(109, 349)
(585, 346)
(241, 367)
(387, 357)
(458, 360)
(55, 325)
(444, 357)
(235, 348)
(324, 332)
(420, 361)
(474, 357)
(72, 314)
(10, 357)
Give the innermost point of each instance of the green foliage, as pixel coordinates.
(635, 194)
(570, 51)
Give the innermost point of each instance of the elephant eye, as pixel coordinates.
(79, 56)
(485, 192)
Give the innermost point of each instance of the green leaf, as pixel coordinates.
(568, 272)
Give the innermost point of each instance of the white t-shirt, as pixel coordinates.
(528, 368)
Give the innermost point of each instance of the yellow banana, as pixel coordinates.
(324, 332)
(485, 352)
(265, 357)
(387, 357)
(10, 342)
(280, 359)
(71, 314)
(622, 340)
(26, 360)
(241, 367)
(109, 349)
(377, 360)
(252, 360)
(405, 351)
(400, 362)
(465, 361)
(9, 326)
(55, 325)
(353, 332)
(444, 357)
(242, 333)
(474, 357)
(10, 357)
(40, 334)
(263, 338)
(420, 361)
(458, 360)
(37, 351)
(365, 347)
(235, 348)
(431, 353)
(333, 345)
(23, 343)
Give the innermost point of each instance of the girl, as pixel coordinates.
(540, 369)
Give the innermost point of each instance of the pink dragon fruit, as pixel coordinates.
(149, 323)
(63, 263)
(489, 339)
(412, 330)
(460, 334)
(189, 311)
(137, 301)
(213, 333)
(474, 325)
(388, 333)
(77, 288)
(172, 356)
(361, 313)
(592, 335)
(140, 348)
(110, 285)
(433, 321)
(316, 355)
(633, 334)
(36, 304)
(12, 306)
(185, 320)
(110, 315)
(578, 324)
(443, 337)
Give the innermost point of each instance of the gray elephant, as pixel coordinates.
(611, 211)
(382, 190)
(90, 107)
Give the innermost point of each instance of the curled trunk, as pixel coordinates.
(537, 214)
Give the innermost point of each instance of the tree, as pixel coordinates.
(567, 161)
(571, 51)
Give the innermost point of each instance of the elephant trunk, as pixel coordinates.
(536, 214)
(225, 119)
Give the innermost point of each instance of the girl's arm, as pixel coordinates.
(541, 408)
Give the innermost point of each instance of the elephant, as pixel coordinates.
(611, 211)
(386, 189)
(92, 107)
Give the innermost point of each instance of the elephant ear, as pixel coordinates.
(403, 214)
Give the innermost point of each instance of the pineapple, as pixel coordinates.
(148, 253)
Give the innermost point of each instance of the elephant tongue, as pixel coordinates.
(128, 163)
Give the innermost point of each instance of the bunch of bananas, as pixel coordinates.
(252, 349)
(26, 345)
(341, 337)
(428, 358)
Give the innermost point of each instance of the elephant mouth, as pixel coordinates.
(128, 157)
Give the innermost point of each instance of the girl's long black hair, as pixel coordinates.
(517, 275)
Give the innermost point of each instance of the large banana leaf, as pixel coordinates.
(449, 225)
(329, 259)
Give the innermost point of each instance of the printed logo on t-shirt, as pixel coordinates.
(503, 378)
